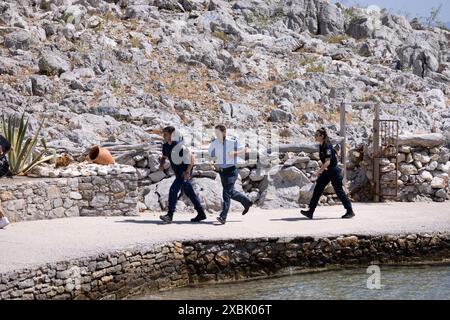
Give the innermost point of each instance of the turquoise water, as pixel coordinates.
(424, 282)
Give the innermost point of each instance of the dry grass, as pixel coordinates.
(334, 116)
(337, 38)
(319, 68)
(222, 36)
(135, 42)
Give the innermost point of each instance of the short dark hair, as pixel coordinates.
(222, 128)
(169, 129)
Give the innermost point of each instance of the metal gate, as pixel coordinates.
(385, 149)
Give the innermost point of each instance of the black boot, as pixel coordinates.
(167, 218)
(247, 207)
(221, 220)
(349, 214)
(307, 213)
(200, 216)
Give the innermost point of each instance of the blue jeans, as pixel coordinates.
(228, 179)
(333, 175)
(178, 184)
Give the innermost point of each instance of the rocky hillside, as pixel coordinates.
(120, 70)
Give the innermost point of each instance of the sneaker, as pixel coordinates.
(221, 220)
(166, 218)
(247, 207)
(348, 215)
(3, 222)
(200, 217)
(307, 213)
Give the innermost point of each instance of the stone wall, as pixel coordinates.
(281, 179)
(288, 182)
(110, 192)
(422, 173)
(122, 273)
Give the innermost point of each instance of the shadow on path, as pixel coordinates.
(174, 222)
(305, 218)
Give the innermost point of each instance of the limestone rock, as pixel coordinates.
(18, 40)
(408, 169)
(52, 64)
(281, 188)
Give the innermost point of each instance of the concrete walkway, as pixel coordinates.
(32, 243)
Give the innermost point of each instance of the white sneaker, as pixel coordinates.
(3, 222)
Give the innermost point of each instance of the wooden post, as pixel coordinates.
(343, 143)
(376, 153)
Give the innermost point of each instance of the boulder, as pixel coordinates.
(157, 176)
(40, 85)
(52, 64)
(151, 199)
(360, 28)
(330, 18)
(209, 192)
(74, 14)
(281, 188)
(296, 160)
(18, 40)
(279, 115)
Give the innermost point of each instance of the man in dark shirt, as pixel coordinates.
(328, 172)
(181, 161)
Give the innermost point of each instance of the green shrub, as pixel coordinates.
(222, 36)
(23, 156)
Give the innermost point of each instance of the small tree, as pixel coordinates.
(432, 19)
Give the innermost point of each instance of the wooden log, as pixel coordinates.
(308, 147)
(421, 140)
(132, 147)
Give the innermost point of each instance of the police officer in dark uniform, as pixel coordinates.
(328, 172)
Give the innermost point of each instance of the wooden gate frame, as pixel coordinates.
(389, 131)
(376, 141)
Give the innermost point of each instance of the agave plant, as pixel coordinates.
(23, 155)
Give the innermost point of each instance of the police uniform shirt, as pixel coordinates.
(326, 151)
(180, 163)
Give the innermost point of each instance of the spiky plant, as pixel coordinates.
(23, 155)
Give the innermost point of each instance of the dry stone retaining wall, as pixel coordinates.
(422, 173)
(114, 193)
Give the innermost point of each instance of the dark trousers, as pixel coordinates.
(333, 175)
(228, 178)
(178, 184)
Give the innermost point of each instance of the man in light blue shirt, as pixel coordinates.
(226, 152)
